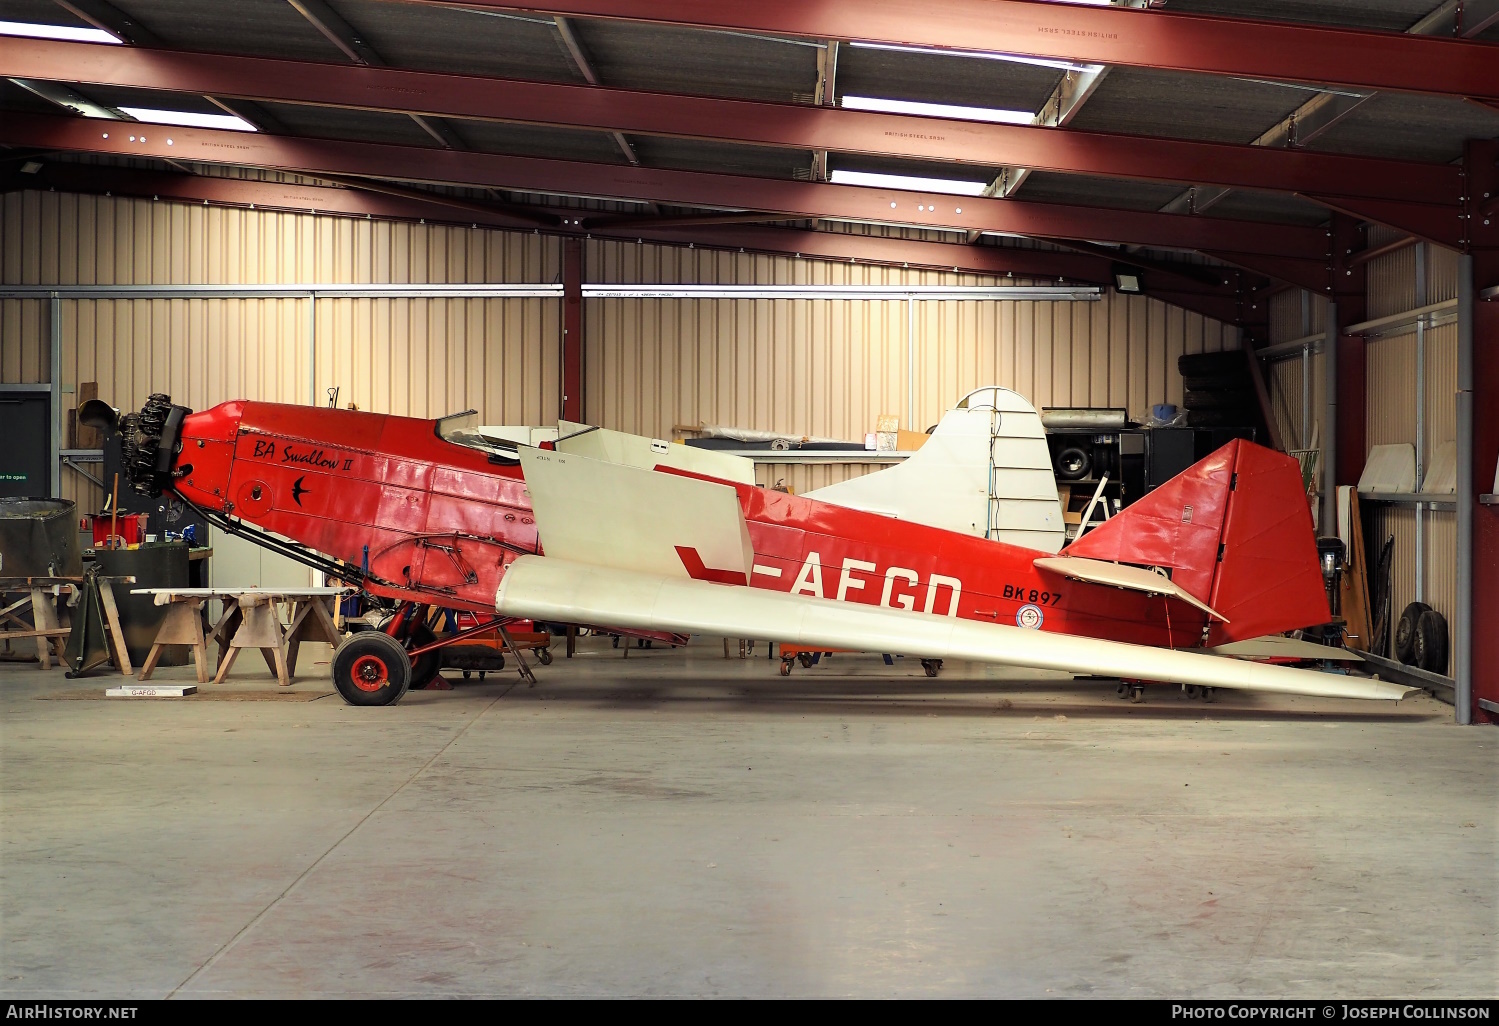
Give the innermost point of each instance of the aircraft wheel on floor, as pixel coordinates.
(371, 668)
(931, 666)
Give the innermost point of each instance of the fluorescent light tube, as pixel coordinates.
(938, 110)
(68, 32)
(189, 119)
(910, 182)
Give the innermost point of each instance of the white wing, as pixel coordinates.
(618, 539)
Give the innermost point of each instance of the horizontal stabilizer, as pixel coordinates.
(1276, 647)
(546, 588)
(1118, 575)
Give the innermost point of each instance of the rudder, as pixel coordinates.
(1236, 532)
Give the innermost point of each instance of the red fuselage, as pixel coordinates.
(438, 522)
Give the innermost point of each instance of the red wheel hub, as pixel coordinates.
(370, 673)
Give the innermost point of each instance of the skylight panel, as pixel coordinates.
(983, 55)
(913, 183)
(189, 119)
(69, 32)
(939, 110)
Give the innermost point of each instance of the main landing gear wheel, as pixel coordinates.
(371, 668)
(425, 667)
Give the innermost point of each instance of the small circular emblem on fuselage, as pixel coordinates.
(1029, 616)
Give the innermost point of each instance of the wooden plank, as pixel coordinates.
(116, 634)
(1356, 580)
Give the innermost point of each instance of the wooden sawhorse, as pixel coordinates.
(251, 619)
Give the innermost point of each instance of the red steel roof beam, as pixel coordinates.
(686, 188)
(994, 260)
(797, 126)
(1211, 44)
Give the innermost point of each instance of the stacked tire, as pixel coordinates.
(1217, 390)
(1421, 638)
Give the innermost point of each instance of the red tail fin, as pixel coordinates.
(1237, 532)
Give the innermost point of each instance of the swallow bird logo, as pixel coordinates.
(297, 491)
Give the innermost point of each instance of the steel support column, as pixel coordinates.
(1477, 649)
(1347, 287)
(1330, 392)
(1462, 623)
(54, 333)
(572, 329)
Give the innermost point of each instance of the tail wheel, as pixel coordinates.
(371, 668)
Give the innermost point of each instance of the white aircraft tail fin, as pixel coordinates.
(984, 471)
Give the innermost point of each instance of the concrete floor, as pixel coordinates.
(678, 824)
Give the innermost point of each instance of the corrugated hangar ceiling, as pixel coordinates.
(1204, 156)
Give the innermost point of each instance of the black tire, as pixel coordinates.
(1431, 642)
(1073, 464)
(1191, 365)
(1228, 381)
(371, 668)
(544, 655)
(1405, 632)
(1218, 399)
(805, 658)
(1222, 418)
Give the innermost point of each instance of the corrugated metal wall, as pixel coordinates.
(830, 367)
(1424, 568)
(417, 357)
(800, 366)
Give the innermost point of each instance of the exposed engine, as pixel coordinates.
(148, 442)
